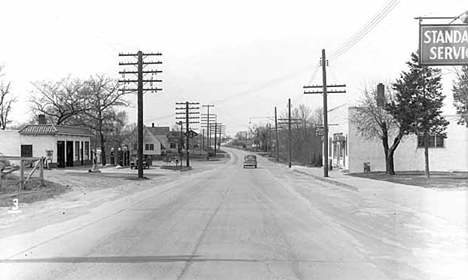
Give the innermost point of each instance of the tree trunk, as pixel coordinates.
(389, 163)
(103, 148)
(389, 159)
(390, 167)
(426, 154)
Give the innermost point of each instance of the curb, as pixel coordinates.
(331, 181)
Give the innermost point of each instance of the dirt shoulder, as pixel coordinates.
(81, 191)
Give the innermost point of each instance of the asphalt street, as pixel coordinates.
(229, 223)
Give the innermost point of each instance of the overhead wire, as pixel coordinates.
(370, 25)
(388, 7)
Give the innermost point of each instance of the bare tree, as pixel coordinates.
(305, 144)
(373, 122)
(6, 101)
(119, 131)
(103, 98)
(59, 101)
(317, 116)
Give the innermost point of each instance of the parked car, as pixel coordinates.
(250, 160)
(134, 164)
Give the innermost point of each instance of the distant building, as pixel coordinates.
(157, 142)
(350, 151)
(64, 146)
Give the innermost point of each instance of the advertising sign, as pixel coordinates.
(191, 133)
(443, 44)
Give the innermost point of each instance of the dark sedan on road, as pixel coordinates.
(250, 160)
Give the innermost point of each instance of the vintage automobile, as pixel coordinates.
(250, 160)
(134, 164)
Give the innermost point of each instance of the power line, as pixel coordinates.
(371, 24)
(365, 30)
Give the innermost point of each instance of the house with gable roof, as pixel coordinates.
(157, 142)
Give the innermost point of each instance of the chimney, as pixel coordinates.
(380, 98)
(41, 119)
(152, 124)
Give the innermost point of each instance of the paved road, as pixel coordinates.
(228, 223)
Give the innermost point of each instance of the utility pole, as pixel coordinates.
(217, 139)
(289, 121)
(215, 131)
(276, 137)
(324, 92)
(208, 106)
(181, 140)
(140, 82)
(203, 138)
(269, 139)
(189, 111)
(289, 130)
(208, 124)
(222, 129)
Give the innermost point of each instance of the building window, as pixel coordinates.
(149, 147)
(435, 141)
(173, 145)
(26, 150)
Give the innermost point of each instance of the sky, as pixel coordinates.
(245, 57)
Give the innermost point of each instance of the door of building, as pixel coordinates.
(60, 153)
(70, 154)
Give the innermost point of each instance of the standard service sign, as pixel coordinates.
(443, 44)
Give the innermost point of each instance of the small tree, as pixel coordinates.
(372, 121)
(6, 101)
(418, 103)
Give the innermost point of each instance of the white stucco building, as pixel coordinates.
(350, 151)
(64, 145)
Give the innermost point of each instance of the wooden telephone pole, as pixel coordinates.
(189, 112)
(289, 121)
(140, 82)
(276, 137)
(324, 93)
(208, 119)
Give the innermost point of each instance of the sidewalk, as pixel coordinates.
(448, 204)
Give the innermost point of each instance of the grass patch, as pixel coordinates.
(446, 180)
(32, 190)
